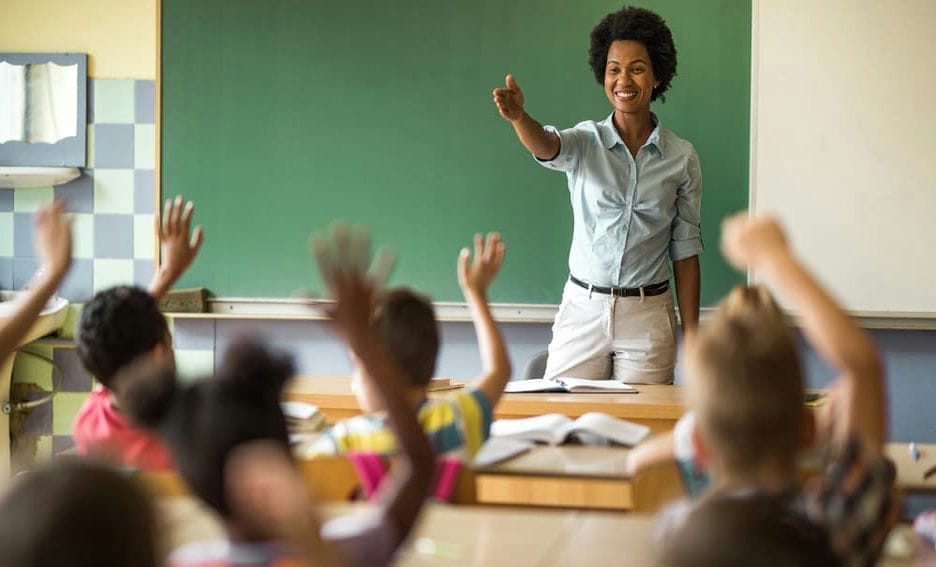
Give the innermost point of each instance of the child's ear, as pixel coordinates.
(703, 455)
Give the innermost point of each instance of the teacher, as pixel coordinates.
(636, 191)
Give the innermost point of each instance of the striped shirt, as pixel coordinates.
(460, 423)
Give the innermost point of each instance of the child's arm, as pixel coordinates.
(53, 247)
(760, 244)
(264, 487)
(177, 248)
(540, 142)
(341, 261)
(657, 450)
(475, 278)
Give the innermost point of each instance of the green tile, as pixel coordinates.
(89, 151)
(113, 191)
(108, 273)
(6, 234)
(113, 101)
(72, 316)
(65, 408)
(144, 237)
(193, 364)
(31, 370)
(144, 146)
(83, 235)
(32, 199)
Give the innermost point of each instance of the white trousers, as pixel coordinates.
(599, 336)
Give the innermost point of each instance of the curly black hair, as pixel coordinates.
(204, 421)
(637, 24)
(117, 326)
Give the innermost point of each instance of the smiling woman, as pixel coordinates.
(636, 192)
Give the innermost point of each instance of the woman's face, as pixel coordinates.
(629, 78)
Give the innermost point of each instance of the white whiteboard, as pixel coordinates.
(843, 143)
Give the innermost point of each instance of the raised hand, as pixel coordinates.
(475, 276)
(177, 247)
(53, 240)
(749, 241)
(509, 100)
(343, 255)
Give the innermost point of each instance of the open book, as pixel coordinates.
(576, 385)
(556, 429)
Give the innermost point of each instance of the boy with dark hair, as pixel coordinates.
(405, 325)
(228, 435)
(746, 387)
(119, 325)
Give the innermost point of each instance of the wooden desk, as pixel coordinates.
(492, 537)
(910, 472)
(658, 407)
(468, 535)
(574, 476)
(569, 476)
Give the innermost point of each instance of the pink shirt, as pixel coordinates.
(102, 431)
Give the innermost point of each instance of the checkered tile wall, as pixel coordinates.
(114, 242)
(112, 202)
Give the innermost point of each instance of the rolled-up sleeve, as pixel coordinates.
(570, 149)
(686, 240)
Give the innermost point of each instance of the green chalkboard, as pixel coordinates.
(279, 116)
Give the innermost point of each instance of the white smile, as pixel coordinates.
(625, 95)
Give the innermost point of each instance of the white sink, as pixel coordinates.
(50, 319)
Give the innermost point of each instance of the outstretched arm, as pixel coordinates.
(177, 248)
(759, 243)
(540, 142)
(475, 277)
(53, 247)
(342, 261)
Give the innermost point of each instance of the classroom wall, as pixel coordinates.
(112, 202)
(119, 36)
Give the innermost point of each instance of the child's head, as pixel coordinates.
(406, 326)
(77, 514)
(732, 531)
(118, 326)
(746, 386)
(205, 421)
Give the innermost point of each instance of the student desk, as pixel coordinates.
(493, 537)
(569, 476)
(576, 476)
(658, 407)
(468, 535)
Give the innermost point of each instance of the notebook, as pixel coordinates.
(556, 429)
(572, 385)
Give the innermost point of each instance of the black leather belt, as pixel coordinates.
(648, 290)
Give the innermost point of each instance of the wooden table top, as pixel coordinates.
(651, 402)
(472, 535)
(579, 461)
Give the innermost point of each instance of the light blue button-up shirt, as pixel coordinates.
(632, 216)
